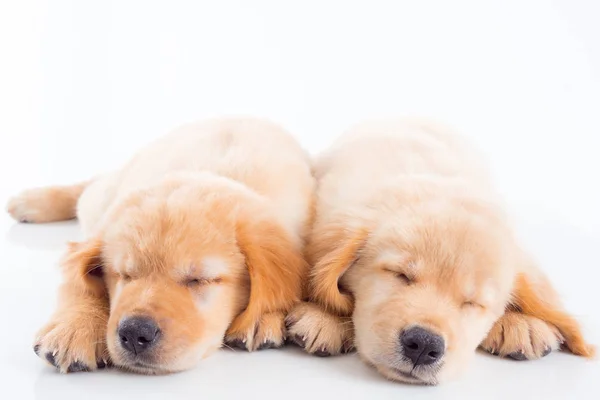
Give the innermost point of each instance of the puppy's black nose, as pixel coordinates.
(137, 334)
(421, 346)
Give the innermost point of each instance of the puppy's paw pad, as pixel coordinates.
(78, 366)
(547, 351)
(322, 352)
(518, 356)
(522, 337)
(319, 332)
(267, 345)
(298, 340)
(51, 358)
(236, 343)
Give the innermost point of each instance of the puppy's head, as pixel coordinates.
(423, 289)
(173, 261)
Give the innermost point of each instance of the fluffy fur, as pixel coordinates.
(408, 232)
(202, 231)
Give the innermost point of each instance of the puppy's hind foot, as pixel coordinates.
(48, 204)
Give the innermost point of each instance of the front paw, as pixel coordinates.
(319, 332)
(268, 332)
(522, 337)
(73, 344)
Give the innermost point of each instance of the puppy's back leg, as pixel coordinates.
(46, 204)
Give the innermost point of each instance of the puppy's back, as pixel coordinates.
(389, 148)
(377, 160)
(257, 153)
(250, 151)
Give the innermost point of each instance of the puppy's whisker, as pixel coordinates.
(229, 347)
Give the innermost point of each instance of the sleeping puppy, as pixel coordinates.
(198, 238)
(414, 263)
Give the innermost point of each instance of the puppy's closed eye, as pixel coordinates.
(404, 278)
(472, 304)
(125, 277)
(198, 282)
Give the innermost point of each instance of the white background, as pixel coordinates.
(84, 83)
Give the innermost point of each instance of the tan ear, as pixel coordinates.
(325, 276)
(83, 269)
(276, 269)
(534, 295)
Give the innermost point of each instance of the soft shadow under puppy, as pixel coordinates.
(50, 236)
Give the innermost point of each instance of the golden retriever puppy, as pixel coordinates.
(197, 239)
(414, 263)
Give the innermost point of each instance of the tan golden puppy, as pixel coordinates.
(414, 262)
(198, 238)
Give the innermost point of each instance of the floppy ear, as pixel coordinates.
(534, 295)
(276, 269)
(329, 267)
(83, 270)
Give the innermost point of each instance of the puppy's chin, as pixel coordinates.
(403, 373)
(400, 375)
(145, 369)
(157, 366)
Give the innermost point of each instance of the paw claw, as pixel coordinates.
(100, 364)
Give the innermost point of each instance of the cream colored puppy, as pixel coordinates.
(414, 262)
(197, 239)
